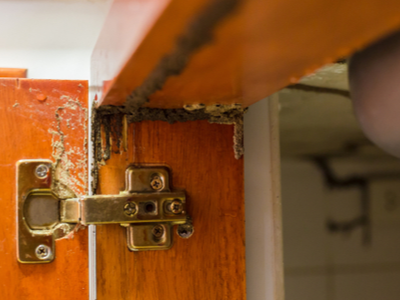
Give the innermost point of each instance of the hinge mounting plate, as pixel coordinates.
(148, 208)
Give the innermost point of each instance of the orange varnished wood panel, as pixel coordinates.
(256, 50)
(13, 72)
(135, 35)
(211, 264)
(29, 130)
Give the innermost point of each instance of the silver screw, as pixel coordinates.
(42, 171)
(185, 231)
(158, 231)
(176, 206)
(130, 209)
(43, 252)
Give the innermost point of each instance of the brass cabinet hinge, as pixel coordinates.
(148, 208)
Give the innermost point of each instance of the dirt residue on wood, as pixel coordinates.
(108, 126)
(109, 123)
(69, 158)
(199, 32)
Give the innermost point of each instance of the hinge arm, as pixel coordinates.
(125, 208)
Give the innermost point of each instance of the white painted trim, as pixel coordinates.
(92, 263)
(264, 252)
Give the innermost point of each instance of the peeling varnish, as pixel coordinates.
(33, 90)
(69, 159)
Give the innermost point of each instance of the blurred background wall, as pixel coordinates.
(53, 39)
(328, 254)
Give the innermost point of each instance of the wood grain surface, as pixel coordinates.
(29, 130)
(254, 49)
(209, 265)
(135, 35)
(13, 72)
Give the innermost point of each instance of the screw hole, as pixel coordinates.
(150, 207)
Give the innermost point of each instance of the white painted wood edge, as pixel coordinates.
(264, 250)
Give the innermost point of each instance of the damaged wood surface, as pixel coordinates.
(209, 265)
(43, 119)
(169, 53)
(109, 124)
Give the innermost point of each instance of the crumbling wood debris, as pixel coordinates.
(109, 121)
(199, 33)
(69, 159)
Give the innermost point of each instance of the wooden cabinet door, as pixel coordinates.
(47, 119)
(210, 264)
(43, 119)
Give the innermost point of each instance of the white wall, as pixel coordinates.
(325, 266)
(53, 39)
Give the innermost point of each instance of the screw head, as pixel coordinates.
(130, 209)
(158, 231)
(185, 231)
(42, 171)
(156, 183)
(176, 206)
(43, 252)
